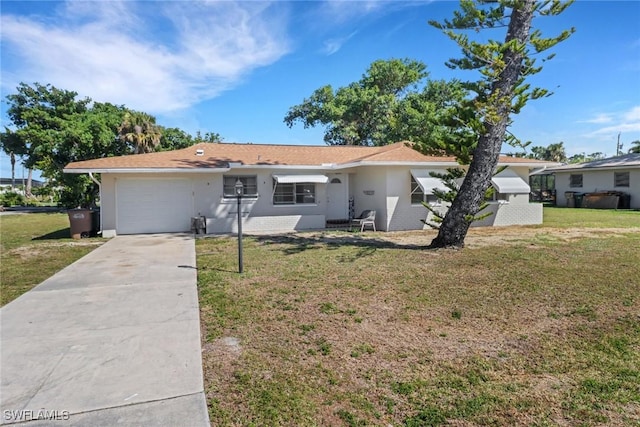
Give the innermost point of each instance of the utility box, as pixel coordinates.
(198, 225)
(80, 222)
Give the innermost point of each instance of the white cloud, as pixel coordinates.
(113, 51)
(332, 46)
(633, 115)
(341, 11)
(599, 118)
(623, 122)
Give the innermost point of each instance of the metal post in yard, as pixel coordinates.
(239, 190)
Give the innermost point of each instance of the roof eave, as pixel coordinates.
(396, 163)
(276, 166)
(596, 168)
(146, 170)
(535, 165)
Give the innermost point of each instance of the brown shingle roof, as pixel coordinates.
(219, 155)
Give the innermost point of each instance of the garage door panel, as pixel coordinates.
(154, 205)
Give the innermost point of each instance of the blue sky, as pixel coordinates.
(236, 67)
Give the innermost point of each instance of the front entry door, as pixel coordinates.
(337, 200)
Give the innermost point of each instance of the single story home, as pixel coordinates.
(6, 184)
(598, 182)
(287, 188)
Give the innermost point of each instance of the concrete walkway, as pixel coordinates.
(113, 339)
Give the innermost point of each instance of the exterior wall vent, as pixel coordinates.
(200, 152)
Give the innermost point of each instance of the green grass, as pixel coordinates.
(336, 330)
(590, 218)
(34, 247)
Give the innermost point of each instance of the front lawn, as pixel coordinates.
(590, 218)
(525, 326)
(34, 247)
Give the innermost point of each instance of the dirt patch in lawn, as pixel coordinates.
(476, 237)
(333, 328)
(34, 251)
(513, 235)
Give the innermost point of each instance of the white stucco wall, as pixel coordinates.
(108, 204)
(385, 189)
(368, 187)
(598, 180)
(259, 213)
(402, 215)
(504, 214)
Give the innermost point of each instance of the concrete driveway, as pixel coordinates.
(113, 339)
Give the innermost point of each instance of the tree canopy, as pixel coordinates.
(175, 139)
(140, 130)
(553, 153)
(500, 91)
(392, 101)
(52, 127)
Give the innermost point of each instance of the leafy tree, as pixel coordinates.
(386, 105)
(553, 153)
(500, 92)
(635, 147)
(52, 128)
(175, 139)
(140, 130)
(577, 158)
(212, 137)
(583, 158)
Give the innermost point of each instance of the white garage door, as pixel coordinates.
(149, 205)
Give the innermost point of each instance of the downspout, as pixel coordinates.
(93, 178)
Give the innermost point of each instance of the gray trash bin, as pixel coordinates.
(571, 201)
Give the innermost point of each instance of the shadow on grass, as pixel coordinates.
(296, 244)
(64, 233)
(222, 270)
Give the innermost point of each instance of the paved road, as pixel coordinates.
(26, 209)
(113, 339)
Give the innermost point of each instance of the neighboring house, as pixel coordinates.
(594, 180)
(6, 184)
(286, 188)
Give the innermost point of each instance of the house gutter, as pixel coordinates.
(93, 178)
(145, 170)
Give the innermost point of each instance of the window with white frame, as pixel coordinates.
(249, 185)
(575, 180)
(418, 196)
(621, 179)
(294, 193)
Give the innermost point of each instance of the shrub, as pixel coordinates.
(11, 198)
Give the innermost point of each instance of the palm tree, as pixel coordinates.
(556, 152)
(12, 156)
(635, 147)
(140, 130)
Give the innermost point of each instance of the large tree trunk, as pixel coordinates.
(455, 225)
(27, 190)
